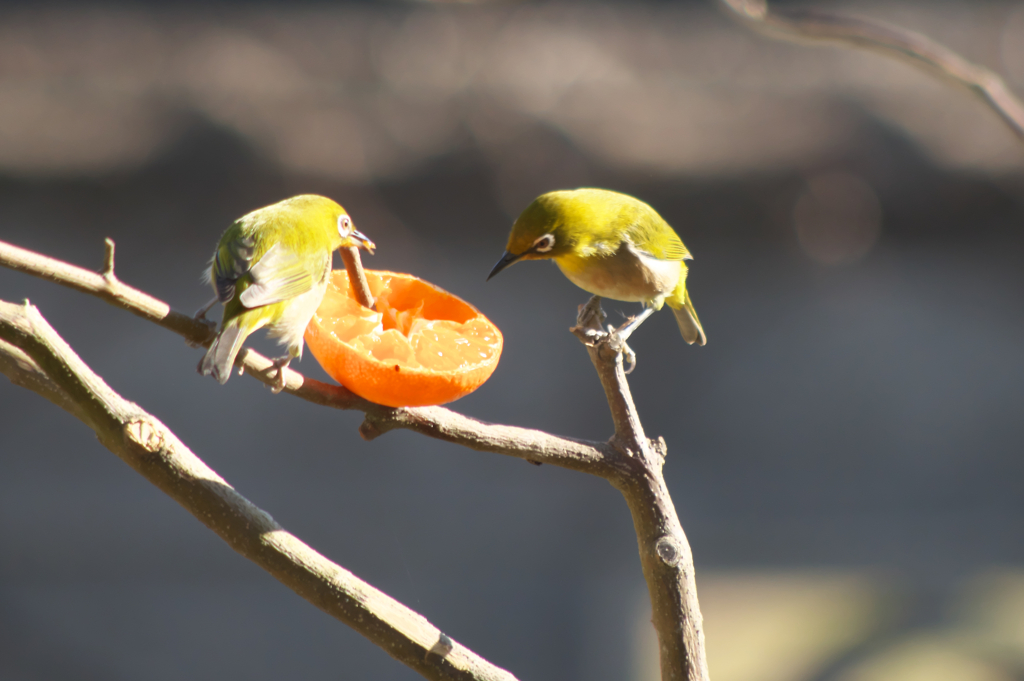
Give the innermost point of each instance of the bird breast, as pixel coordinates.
(296, 313)
(628, 274)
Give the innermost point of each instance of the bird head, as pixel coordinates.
(350, 236)
(325, 215)
(542, 231)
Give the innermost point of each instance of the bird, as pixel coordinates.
(271, 269)
(611, 245)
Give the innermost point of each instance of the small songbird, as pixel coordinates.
(271, 269)
(612, 245)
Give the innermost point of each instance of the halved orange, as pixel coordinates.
(423, 346)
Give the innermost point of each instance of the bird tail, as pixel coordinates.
(220, 358)
(689, 325)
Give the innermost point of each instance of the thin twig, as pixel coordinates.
(108, 262)
(606, 354)
(43, 362)
(115, 293)
(802, 25)
(357, 277)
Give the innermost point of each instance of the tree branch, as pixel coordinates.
(665, 553)
(631, 462)
(23, 372)
(32, 355)
(436, 422)
(802, 25)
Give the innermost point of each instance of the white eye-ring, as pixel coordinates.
(543, 244)
(344, 225)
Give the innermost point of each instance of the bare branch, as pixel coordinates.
(606, 354)
(631, 462)
(535, 446)
(23, 371)
(664, 550)
(34, 356)
(805, 25)
(114, 292)
(436, 422)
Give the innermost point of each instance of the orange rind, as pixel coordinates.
(422, 346)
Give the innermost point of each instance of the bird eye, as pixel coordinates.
(544, 244)
(344, 225)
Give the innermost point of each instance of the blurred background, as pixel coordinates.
(845, 453)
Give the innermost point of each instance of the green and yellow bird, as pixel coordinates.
(270, 270)
(611, 245)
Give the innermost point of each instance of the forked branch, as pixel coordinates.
(664, 550)
(809, 25)
(631, 462)
(34, 356)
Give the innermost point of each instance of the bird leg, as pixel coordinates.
(201, 312)
(280, 364)
(200, 316)
(625, 331)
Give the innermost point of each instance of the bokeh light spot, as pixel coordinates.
(838, 218)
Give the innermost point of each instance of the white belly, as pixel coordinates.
(292, 325)
(627, 275)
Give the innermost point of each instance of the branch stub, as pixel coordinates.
(669, 550)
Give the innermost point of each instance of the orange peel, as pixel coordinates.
(422, 346)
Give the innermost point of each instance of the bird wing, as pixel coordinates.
(670, 248)
(651, 234)
(232, 260)
(280, 275)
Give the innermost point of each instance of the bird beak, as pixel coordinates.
(361, 240)
(506, 260)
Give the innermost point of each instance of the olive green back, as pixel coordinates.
(588, 220)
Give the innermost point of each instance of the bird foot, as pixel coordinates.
(590, 315)
(615, 339)
(200, 316)
(590, 328)
(621, 334)
(279, 364)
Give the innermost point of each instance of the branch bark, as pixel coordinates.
(665, 553)
(437, 422)
(357, 278)
(32, 355)
(631, 462)
(808, 25)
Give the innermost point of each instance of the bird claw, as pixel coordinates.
(589, 327)
(590, 314)
(280, 364)
(628, 356)
(200, 316)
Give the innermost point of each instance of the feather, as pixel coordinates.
(220, 358)
(689, 325)
(279, 275)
